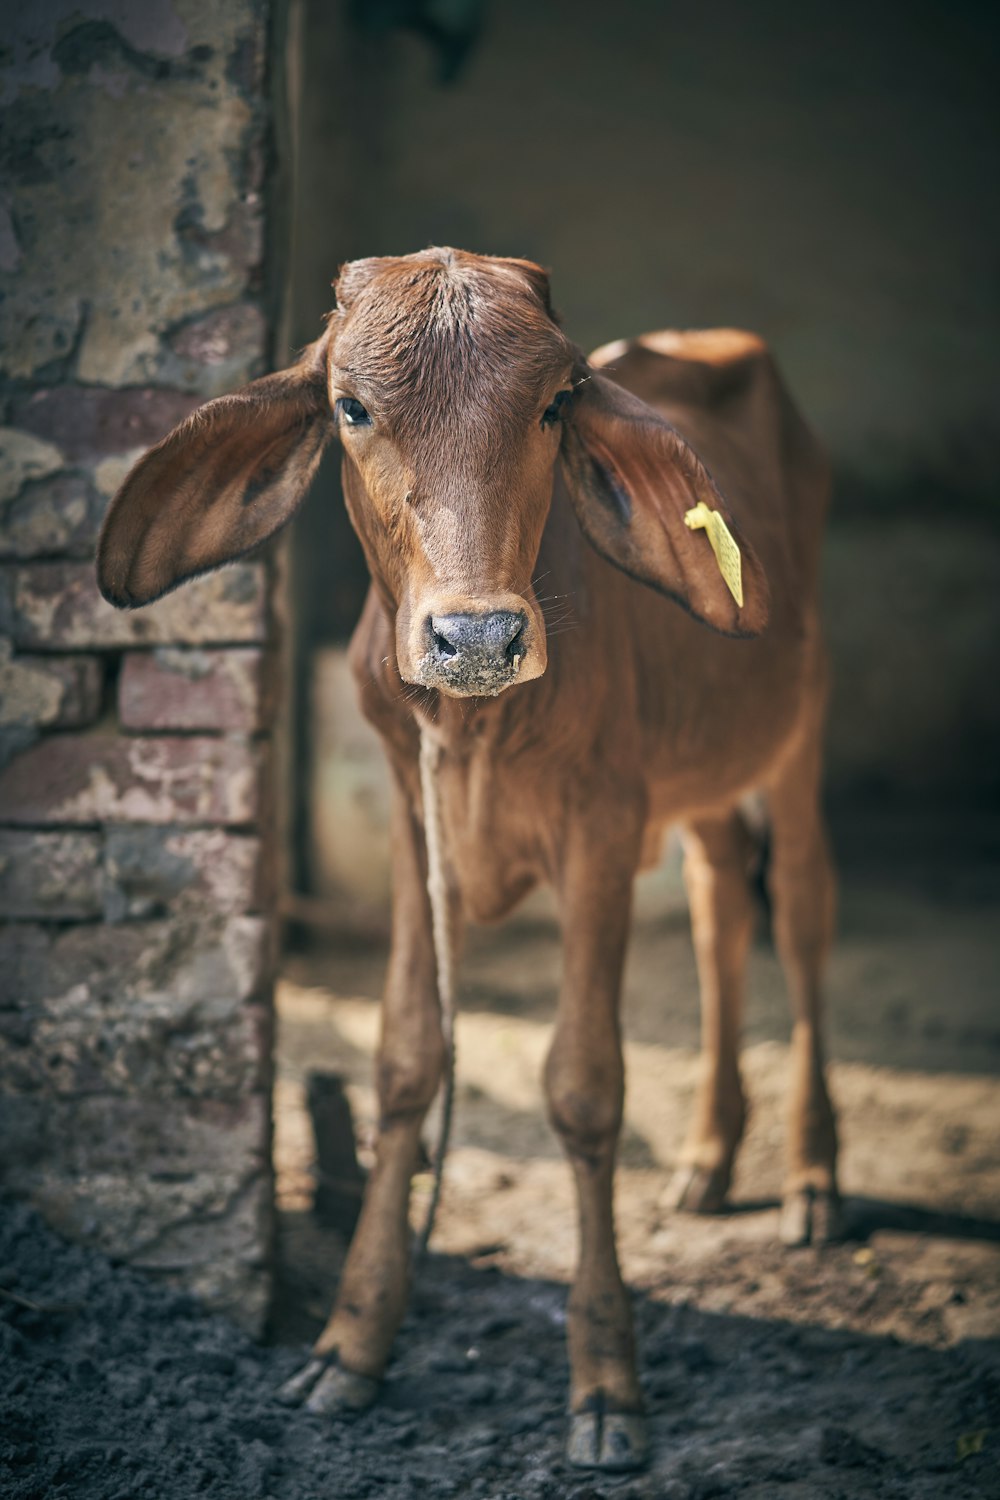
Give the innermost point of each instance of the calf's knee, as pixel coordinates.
(408, 1082)
(585, 1099)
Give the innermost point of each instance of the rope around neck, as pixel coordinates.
(444, 954)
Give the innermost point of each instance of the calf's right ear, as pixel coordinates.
(218, 485)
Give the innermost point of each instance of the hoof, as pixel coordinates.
(297, 1387)
(323, 1386)
(615, 1441)
(340, 1390)
(698, 1190)
(810, 1216)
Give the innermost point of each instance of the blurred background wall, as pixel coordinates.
(137, 929)
(825, 176)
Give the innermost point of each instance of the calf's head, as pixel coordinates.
(453, 393)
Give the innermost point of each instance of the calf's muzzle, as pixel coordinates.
(473, 652)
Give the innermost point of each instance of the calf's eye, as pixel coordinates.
(353, 413)
(552, 414)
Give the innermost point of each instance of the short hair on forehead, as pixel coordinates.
(457, 265)
(445, 331)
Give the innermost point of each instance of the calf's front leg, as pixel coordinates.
(352, 1351)
(584, 1079)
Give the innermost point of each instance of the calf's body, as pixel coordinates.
(592, 710)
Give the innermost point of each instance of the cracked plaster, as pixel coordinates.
(132, 209)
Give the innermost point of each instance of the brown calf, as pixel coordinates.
(484, 457)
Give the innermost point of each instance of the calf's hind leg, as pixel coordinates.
(717, 855)
(584, 1079)
(351, 1352)
(803, 895)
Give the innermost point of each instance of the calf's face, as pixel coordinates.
(453, 393)
(447, 382)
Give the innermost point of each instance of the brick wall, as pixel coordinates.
(137, 947)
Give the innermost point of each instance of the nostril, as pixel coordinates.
(442, 645)
(515, 647)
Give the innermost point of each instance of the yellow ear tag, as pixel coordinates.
(727, 554)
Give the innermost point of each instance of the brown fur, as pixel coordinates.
(628, 714)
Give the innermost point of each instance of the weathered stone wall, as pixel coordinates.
(135, 842)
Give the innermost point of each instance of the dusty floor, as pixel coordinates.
(871, 1368)
(887, 1340)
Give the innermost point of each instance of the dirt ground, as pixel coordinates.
(871, 1368)
(863, 1369)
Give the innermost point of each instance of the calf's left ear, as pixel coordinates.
(633, 480)
(217, 486)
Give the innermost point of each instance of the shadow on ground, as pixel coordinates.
(113, 1388)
